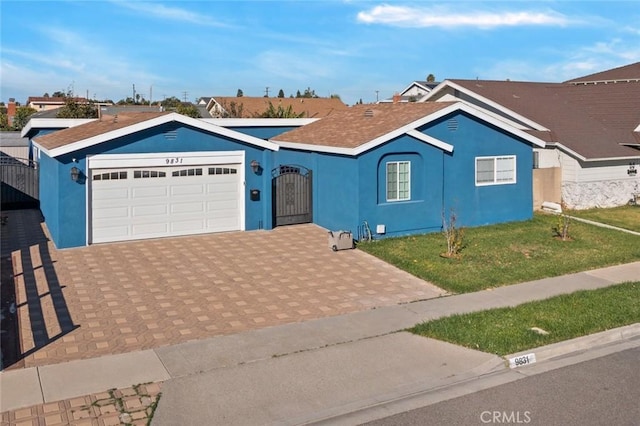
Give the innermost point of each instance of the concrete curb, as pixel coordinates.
(580, 344)
(492, 373)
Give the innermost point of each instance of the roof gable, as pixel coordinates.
(109, 128)
(593, 122)
(363, 127)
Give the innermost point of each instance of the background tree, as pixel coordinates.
(188, 110)
(431, 78)
(232, 110)
(240, 93)
(280, 112)
(23, 113)
(171, 102)
(334, 96)
(58, 94)
(4, 118)
(74, 109)
(281, 93)
(308, 93)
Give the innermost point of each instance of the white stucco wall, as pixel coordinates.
(601, 194)
(598, 184)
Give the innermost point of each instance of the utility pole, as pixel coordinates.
(266, 91)
(376, 96)
(134, 94)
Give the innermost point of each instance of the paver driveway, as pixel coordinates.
(113, 298)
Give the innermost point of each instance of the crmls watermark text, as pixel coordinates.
(506, 417)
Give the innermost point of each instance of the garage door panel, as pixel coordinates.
(191, 226)
(224, 224)
(150, 210)
(195, 207)
(165, 201)
(192, 189)
(111, 233)
(149, 230)
(213, 188)
(112, 213)
(110, 193)
(222, 205)
(152, 191)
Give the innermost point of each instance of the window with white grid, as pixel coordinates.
(495, 170)
(398, 181)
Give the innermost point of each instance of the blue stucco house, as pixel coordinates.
(396, 166)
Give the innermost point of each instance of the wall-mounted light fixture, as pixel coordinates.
(255, 166)
(75, 173)
(631, 171)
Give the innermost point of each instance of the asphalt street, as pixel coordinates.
(601, 391)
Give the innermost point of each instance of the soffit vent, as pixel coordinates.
(452, 124)
(171, 131)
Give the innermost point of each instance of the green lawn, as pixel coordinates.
(508, 330)
(627, 217)
(509, 253)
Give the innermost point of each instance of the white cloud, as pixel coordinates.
(421, 17)
(170, 13)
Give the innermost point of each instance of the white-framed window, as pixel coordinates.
(495, 170)
(398, 180)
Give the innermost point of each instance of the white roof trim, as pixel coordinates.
(53, 123)
(410, 129)
(415, 83)
(637, 129)
(499, 107)
(194, 122)
(259, 122)
(589, 160)
(430, 140)
(316, 148)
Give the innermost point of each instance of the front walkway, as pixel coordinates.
(122, 297)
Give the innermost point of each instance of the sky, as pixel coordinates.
(359, 50)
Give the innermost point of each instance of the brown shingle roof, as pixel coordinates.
(360, 124)
(627, 72)
(85, 131)
(311, 107)
(592, 120)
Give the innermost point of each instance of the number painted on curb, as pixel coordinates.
(522, 360)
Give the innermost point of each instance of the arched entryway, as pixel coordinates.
(292, 195)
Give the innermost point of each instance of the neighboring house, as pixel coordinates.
(397, 166)
(413, 93)
(13, 145)
(591, 126)
(45, 103)
(252, 107)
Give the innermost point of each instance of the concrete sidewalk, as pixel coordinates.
(313, 370)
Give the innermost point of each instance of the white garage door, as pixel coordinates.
(147, 202)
